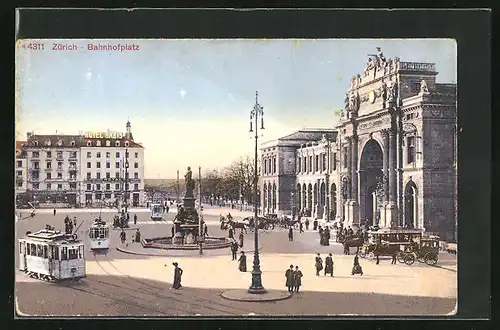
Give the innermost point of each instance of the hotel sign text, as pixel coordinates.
(104, 135)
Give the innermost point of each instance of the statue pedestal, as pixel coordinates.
(177, 238)
(190, 238)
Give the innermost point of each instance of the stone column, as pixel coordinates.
(385, 171)
(354, 180)
(392, 212)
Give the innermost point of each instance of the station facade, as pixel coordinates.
(392, 159)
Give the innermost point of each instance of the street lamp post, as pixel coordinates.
(126, 181)
(200, 214)
(327, 178)
(256, 286)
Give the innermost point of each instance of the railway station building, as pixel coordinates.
(391, 160)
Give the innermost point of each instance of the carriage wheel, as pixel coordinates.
(409, 259)
(370, 255)
(400, 257)
(362, 252)
(430, 258)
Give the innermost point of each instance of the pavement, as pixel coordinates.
(120, 284)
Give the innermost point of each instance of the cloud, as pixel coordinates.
(182, 93)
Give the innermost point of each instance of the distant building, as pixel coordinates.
(393, 157)
(87, 169)
(21, 171)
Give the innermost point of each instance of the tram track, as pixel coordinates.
(190, 303)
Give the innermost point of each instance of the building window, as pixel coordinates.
(136, 186)
(49, 154)
(304, 167)
(89, 154)
(117, 155)
(98, 186)
(59, 165)
(410, 150)
(35, 154)
(274, 165)
(49, 186)
(98, 175)
(98, 164)
(89, 175)
(345, 157)
(108, 143)
(117, 143)
(98, 143)
(72, 185)
(269, 167)
(19, 183)
(126, 176)
(89, 165)
(117, 165)
(324, 161)
(126, 186)
(72, 143)
(98, 155)
(136, 165)
(108, 154)
(49, 176)
(117, 186)
(59, 186)
(136, 155)
(108, 165)
(36, 185)
(126, 144)
(316, 164)
(98, 196)
(19, 163)
(19, 173)
(59, 154)
(117, 175)
(72, 154)
(107, 186)
(89, 143)
(108, 175)
(265, 166)
(89, 186)
(136, 175)
(107, 196)
(334, 161)
(36, 165)
(49, 165)
(59, 175)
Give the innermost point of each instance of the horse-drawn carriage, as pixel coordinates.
(227, 222)
(425, 250)
(386, 242)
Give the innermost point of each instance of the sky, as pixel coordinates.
(189, 101)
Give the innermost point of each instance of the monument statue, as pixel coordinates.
(423, 87)
(189, 182)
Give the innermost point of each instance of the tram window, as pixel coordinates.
(28, 249)
(39, 251)
(45, 252)
(64, 253)
(73, 254)
(80, 252)
(96, 233)
(101, 232)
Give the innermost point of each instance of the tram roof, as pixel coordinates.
(49, 235)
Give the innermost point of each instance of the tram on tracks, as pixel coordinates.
(156, 211)
(99, 235)
(51, 255)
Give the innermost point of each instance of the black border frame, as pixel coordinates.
(470, 28)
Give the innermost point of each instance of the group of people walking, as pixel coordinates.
(328, 268)
(69, 225)
(293, 279)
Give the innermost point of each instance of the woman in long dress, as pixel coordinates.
(177, 276)
(318, 264)
(356, 269)
(242, 262)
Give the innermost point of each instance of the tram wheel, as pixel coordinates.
(409, 259)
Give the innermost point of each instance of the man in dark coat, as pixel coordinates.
(74, 221)
(290, 234)
(173, 231)
(177, 276)
(242, 262)
(301, 227)
(234, 249)
(356, 269)
(326, 233)
(315, 224)
(329, 265)
(297, 279)
(123, 236)
(394, 255)
(135, 219)
(289, 278)
(138, 236)
(318, 264)
(205, 229)
(307, 224)
(231, 233)
(241, 238)
(54, 211)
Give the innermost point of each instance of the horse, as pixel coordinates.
(237, 225)
(352, 242)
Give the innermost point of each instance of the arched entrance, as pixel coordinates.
(309, 200)
(410, 207)
(299, 198)
(333, 201)
(370, 172)
(322, 200)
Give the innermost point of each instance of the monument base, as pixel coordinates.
(391, 213)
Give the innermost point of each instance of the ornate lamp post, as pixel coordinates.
(256, 286)
(126, 180)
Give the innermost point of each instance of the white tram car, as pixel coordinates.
(156, 211)
(99, 235)
(52, 255)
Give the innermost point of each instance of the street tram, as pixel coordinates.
(386, 242)
(156, 211)
(51, 255)
(99, 235)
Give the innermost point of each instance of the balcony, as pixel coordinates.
(35, 169)
(59, 168)
(72, 179)
(73, 168)
(72, 158)
(60, 158)
(48, 169)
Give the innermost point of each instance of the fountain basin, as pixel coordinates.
(165, 243)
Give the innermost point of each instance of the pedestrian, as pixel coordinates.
(173, 231)
(356, 269)
(289, 278)
(54, 212)
(167, 208)
(74, 221)
(301, 227)
(135, 219)
(329, 265)
(205, 229)
(234, 249)
(128, 217)
(376, 255)
(394, 255)
(138, 236)
(326, 233)
(307, 224)
(290, 234)
(241, 239)
(230, 233)
(297, 279)
(123, 236)
(177, 276)
(243, 262)
(315, 224)
(318, 264)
